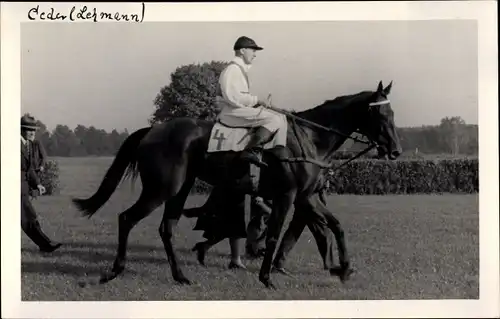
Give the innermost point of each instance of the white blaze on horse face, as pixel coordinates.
(380, 103)
(389, 131)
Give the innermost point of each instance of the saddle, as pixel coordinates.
(225, 138)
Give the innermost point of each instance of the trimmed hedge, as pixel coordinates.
(411, 176)
(367, 177)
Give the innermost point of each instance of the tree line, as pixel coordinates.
(81, 141)
(192, 91)
(459, 139)
(452, 136)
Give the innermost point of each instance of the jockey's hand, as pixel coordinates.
(41, 189)
(263, 102)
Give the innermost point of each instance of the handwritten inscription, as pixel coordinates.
(85, 13)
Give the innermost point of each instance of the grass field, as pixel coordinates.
(402, 247)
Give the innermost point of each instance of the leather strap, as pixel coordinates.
(244, 73)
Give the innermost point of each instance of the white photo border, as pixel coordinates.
(484, 12)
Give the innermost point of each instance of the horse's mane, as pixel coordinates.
(342, 100)
(337, 103)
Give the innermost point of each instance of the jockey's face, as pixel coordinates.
(248, 55)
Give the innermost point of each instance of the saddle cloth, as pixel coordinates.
(224, 138)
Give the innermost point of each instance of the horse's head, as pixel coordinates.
(378, 122)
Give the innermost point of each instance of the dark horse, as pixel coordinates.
(171, 155)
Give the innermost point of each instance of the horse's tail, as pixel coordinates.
(125, 159)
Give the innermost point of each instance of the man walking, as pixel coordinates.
(260, 210)
(321, 223)
(30, 180)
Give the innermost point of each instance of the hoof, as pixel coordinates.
(50, 248)
(108, 276)
(183, 280)
(200, 253)
(268, 283)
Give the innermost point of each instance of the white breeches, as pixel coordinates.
(252, 117)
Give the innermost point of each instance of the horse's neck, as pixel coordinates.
(326, 142)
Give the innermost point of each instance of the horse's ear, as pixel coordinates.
(380, 87)
(387, 90)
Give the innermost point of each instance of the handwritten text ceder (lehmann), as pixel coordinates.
(84, 13)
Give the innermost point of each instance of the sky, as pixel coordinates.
(108, 75)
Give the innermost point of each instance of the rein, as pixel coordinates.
(322, 164)
(295, 117)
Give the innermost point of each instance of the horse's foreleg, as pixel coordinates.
(290, 238)
(281, 207)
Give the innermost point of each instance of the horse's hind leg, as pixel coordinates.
(146, 203)
(173, 211)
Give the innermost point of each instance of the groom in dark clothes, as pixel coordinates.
(30, 180)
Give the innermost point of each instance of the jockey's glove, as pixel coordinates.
(263, 102)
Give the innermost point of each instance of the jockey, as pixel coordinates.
(239, 108)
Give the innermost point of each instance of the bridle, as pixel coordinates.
(371, 144)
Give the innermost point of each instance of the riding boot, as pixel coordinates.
(253, 151)
(253, 155)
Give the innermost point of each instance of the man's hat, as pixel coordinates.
(28, 123)
(245, 42)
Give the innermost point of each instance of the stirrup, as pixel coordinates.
(253, 158)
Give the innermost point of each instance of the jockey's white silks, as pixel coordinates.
(236, 102)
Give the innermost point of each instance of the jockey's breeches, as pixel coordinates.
(252, 117)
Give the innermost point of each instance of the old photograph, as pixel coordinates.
(249, 160)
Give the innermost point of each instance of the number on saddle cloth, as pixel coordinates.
(219, 137)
